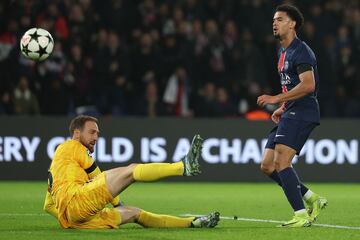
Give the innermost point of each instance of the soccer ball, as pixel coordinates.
(37, 44)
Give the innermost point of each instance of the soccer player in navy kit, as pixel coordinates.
(296, 117)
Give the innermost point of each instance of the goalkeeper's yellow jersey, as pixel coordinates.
(69, 171)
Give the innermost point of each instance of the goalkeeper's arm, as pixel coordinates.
(49, 205)
(92, 172)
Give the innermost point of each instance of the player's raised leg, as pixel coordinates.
(118, 179)
(152, 220)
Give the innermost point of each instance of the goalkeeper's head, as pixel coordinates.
(85, 129)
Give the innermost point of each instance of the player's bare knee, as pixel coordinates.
(132, 166)
(267, 168)
(281, 164)
(129, 214)
(267, 164)
(277, 166)
(279, 150)
(130, 169)
(283, 157)
(136, 213)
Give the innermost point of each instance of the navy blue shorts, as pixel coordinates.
(290, 132)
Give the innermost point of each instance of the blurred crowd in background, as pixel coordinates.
(183, 58)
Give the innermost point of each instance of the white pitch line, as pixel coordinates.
(23, 214)
(196, 215)
(272, 221)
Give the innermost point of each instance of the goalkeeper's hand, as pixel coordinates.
(117, 202)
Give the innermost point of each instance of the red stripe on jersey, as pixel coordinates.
(280, 68)
(281, 61)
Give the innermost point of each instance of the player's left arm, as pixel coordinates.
(93, 170)
(305, 87)
(49, 205)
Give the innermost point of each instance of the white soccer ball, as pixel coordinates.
(37, 44)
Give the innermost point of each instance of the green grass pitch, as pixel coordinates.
(21, 215)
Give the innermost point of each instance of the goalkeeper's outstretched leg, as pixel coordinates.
(118, 179)
(152, 220)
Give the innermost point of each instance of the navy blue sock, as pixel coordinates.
(303, 189)
(275, 176)
(291, 187)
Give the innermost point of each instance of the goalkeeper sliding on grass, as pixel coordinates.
(78, 191)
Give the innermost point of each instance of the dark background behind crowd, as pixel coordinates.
(185, 58)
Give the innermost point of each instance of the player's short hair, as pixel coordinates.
(293, 13)
(79, 122)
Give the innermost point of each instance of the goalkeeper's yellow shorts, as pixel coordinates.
(87, 208)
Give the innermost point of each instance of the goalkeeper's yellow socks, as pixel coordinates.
(155, 171)
(152, 220)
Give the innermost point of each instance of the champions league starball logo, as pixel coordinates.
(286, 65)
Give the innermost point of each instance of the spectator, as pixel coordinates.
(59, 98)
(6, 107)
(177, 93)
(226, 42)
(77, 76)
(205, 102)
(144, 59)
(61, 30)
(150, 105)
(25, 102)
(223, 106)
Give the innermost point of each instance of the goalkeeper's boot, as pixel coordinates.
(208, 221)
(315, 204)
(299, 220)
(191, 159)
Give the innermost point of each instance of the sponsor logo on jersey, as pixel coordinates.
(286, 65)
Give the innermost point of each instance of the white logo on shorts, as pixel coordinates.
(277, 135)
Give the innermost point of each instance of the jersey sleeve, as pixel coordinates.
(84, 159)
(304, 55)
(304, 67)
(86, 162)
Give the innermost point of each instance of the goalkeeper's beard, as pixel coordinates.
(86, 144)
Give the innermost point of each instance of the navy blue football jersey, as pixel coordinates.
(296, 54)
